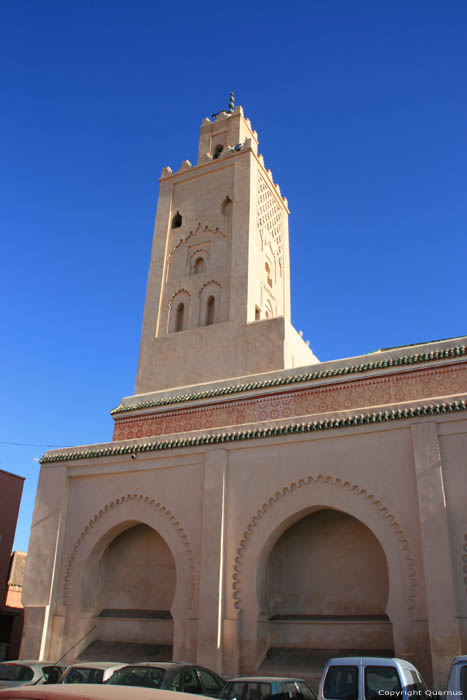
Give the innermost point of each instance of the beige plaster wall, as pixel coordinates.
(219, 351)
(453, 448)
(136, 571)
(328, 563)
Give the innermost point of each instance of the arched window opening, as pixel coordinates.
(217, 151)
(257, 313)
(177, 220)
(268, 274)
(210, 310)
(198, 266)
(179, 317)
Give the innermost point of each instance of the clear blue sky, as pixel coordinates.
(361, 111)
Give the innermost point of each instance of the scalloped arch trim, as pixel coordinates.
(175, 295)
(332, 481)
(106, 509)
(198, 228)
(206, 284)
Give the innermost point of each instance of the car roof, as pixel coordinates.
(460, 659)
(33, 661)
(368, 660)
(85, 691)
(97, 664)
(159, 664)
(263, 679)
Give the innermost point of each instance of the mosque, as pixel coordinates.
(254, 503)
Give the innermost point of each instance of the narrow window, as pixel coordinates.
(199, 265)
(177, 220)
(210, 309)
(268, 274)
(217, 151)
(226, 205)
(257, 313)
(179, 314)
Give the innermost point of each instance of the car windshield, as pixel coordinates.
(144, 676)
(15, 672)
(81, 674)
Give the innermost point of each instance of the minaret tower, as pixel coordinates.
(218, 294)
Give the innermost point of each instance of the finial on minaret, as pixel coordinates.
(231, 103)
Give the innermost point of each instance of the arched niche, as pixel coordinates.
(81, 591)
(279, 513)
(136, 571)
(339, 570)
(209, 300)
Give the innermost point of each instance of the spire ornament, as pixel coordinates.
(230, 108)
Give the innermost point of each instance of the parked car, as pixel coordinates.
(457, 684)
(88, 692)
(370, 678)
(90, 672)
(266, 687)
(170, 675)
(14, 673)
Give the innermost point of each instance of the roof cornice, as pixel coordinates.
(388, 363)
(354, 421)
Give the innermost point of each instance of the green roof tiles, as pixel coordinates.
(258, 433)
(434, 355)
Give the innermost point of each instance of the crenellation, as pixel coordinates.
(205, 158)
(166, 171)
(186, 165)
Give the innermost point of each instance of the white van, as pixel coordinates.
(457, 684)
(370, 678)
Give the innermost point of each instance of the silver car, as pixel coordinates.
(18, 672)
(90, 672)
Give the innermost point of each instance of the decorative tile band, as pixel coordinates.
(449, 353)
(424, 383)
(260, 433)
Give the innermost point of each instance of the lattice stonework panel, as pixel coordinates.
(269, 217)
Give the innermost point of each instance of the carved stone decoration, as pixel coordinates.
(269, 217)
(313, 401)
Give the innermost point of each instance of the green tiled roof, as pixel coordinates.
(259, 433)
(402, 361)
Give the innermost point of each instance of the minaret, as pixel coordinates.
(218, 294)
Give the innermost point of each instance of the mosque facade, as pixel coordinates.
(254, 502)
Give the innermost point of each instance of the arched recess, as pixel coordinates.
(82, 570)
(199, 261)
(209, 303)
(179, 311)
(281, 511)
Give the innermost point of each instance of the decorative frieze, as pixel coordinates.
(341, 396)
